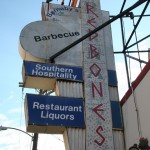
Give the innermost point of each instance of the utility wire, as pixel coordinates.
(57, 138)
(135, 103)
(137, 44)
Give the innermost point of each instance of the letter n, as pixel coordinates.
(95, 89)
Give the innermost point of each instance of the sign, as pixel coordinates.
(54, 111)
(44, 76)
(69, 18)
(42, 39)
(51, 11)
(53, 71)
(97, 104)
(60, 27)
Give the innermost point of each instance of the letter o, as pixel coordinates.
(62, 116)
(43, 67)
(40, 73)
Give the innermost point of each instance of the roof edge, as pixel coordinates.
(135, 83)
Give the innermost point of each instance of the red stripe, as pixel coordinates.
(135, 83)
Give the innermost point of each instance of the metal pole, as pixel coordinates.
(128, 52)
(35, 137)
(138, 41)
(135, 27)
(141, 61)
(35, 141)
(123, 42)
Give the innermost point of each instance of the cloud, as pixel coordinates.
(3, 117)
(122, 78)
(16, 110)
(134, 69)
(55, 140)
(12, 140)
(11, 96)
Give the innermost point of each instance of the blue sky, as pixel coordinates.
(14, 16)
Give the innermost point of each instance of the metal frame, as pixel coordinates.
(126, 46)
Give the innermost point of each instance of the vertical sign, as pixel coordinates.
(97, 103)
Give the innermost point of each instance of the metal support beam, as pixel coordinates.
(141, 51)
(138, 3)
(138, 41)
(135, 27)
(111, 16)
(123, 6)
(142, 61)
(35, 141)
(123, 42)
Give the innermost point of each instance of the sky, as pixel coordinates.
(14, 16)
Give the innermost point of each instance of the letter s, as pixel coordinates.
(100, 128)
(71, 117)
(38, 67)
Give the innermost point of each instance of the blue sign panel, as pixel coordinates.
(53, 71)
(112, 78)
(116, 115)
(55, 111)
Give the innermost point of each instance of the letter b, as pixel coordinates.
(53, 36)
(37, 38)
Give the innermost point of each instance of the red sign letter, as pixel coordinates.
(93, 51)
(93, 36)
(103, 138)
(89, 9)
(97, 110)
(95, 69)
(100, 92)
(92, 22)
